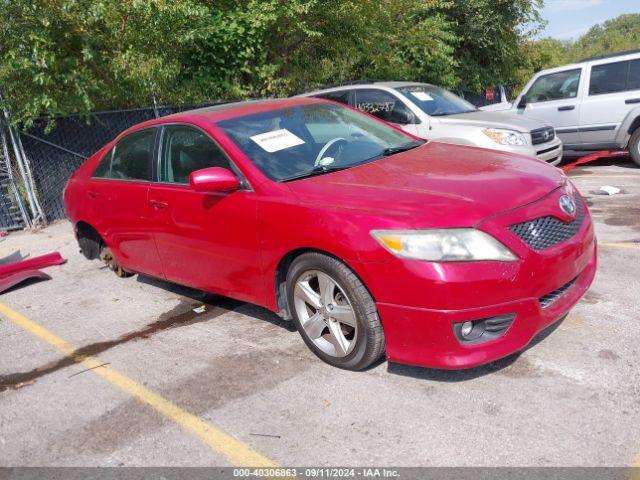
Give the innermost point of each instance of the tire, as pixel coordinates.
(338, 322)
(634, 146)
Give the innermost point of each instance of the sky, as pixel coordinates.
(568, 19)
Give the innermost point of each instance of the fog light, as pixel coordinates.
(466, 328)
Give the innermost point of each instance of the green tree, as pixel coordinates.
(64, 56)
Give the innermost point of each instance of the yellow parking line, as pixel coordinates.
(220, 442)
(633, 246)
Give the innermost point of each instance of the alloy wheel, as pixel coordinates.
(325, 313)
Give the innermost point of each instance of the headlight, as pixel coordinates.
(505, 137)
(450, 245)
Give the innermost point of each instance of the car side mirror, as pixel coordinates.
(522, 103)
(213, 179)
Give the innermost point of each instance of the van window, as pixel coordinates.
(554, 86)
(608, 78)
(130, 158)
(633, 80)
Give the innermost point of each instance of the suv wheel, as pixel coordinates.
(334, 312)
(634, 146)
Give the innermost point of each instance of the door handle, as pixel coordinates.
(91, 194)
(632, 100)
(566, 107)
(158, 204)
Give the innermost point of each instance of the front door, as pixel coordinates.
(554, 99)
(208, 241)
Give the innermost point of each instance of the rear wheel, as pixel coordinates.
(634, 146)
(107, 257)
(334, 312)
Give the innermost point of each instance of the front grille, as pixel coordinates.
(545, 232)
(542, 135)
(551, 298)
(547, 150)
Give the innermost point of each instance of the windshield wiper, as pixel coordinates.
(393, 150)
(315, 171)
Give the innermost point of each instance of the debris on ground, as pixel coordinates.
(265, 435)
(15, 268)
(593, 157)
(609, 190)
(200, 309)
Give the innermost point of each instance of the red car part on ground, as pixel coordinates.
(253, 242)
(14, 273)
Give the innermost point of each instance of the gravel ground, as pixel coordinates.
(572, 398)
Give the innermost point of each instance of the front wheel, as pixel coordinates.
(634, 146)
(334, 312)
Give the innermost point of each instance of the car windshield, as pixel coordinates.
(436, 101)
(305, 140)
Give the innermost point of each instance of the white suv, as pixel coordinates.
(594, 104)
(434, 113)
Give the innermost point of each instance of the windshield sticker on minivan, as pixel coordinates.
(277, 140)
(423, 96)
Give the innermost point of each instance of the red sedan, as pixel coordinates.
(370, 240)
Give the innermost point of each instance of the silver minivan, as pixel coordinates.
(593, 105)
(434, 113)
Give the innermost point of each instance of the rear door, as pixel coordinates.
(117, 194)
(208, 241)
(555, 98)
(614, 89)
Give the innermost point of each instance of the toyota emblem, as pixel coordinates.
(567, 205)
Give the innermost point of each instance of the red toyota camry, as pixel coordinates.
(373, 242)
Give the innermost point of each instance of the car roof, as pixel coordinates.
(620, 56)
(224, 111)
(368, 84)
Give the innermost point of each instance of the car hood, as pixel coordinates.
(434, 186)
(486, 119)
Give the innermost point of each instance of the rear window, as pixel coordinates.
(130, 158)
(609, 78)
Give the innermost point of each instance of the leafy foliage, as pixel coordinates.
(63, 56)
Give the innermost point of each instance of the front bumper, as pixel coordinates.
(425, 337)
(419, 302)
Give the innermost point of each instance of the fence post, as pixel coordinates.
(32, 183)
(155, 107)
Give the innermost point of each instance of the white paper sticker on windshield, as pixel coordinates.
(424, 96)
(277, 140)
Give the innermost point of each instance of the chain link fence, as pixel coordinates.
(49, 157)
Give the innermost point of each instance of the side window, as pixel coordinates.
(385, 106)
(130, 158)
(608, 78)
(102, 170)
(186, 149)
(555, 86)
(633, 80)
(341, 97)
